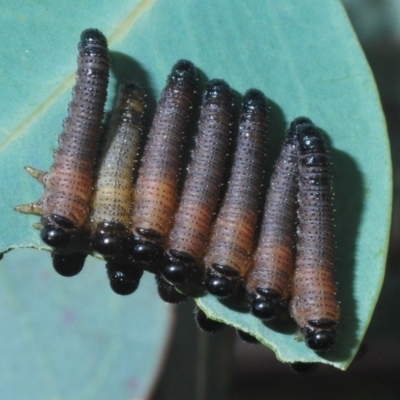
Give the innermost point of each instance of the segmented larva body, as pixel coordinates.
(191, 229)
(268, 283)
(69, 183)
(112, 197)
(156, 190)
(314, 306)
(64, 206)
(228, 257)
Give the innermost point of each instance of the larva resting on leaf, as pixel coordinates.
(201, 192)
(268, 283)
(228, 258)
(64, 206)
(111, 205)
(156, 192)
(314, 306)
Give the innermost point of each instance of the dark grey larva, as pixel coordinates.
(314, 305)
(228, 257)
(268, 284)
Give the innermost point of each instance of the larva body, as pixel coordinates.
(69, 183)
(112, 197)
(228, 257)
(268, 283)
(314, 306)
(64, 206)
(156, 190)
(191, 229)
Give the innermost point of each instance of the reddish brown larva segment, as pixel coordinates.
(68, 185)
(192, 223)
(228, 257)
(112, 197)
(156, 191)
(314, 306)
(268, 283)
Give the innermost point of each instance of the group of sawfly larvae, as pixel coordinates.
(215, 232)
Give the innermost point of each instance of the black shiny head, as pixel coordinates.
(176, 272)
(246, 337)
(57, 230)
(55, 237)
(207, 324)
(124, 278)
(110, 239)
(146, 251)
(168, 293)
(68, 265)
(320, 340)
(264, 309)
(220, 286)
(178, 266)
(107, 245)
(265, 303)
(303, 367)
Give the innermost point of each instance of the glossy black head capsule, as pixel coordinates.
(178, 266)
(124, 277)
(57, 230)
(265, 304)
(111, 239)
(207, 324)
(168, 293)
(222, 281)
(68, 264)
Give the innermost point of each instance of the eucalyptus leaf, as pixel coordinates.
(303, 55)
(76, 339)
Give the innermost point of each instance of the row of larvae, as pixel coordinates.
(294, 259)
(86, 210)
(140, 227)
(287, 266)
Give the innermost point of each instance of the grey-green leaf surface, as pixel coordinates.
(304, 56)
(74, 338)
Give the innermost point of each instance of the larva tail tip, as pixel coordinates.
(129, 87)
(255, 100)
(183, 69)
(217, 87)
(298, 124)
(92, 36)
